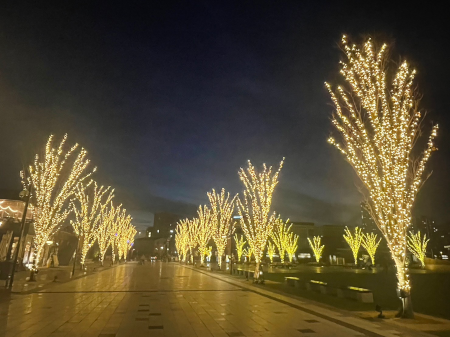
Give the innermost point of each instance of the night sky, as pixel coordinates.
(171, 98)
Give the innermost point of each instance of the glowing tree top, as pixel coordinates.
(378, 119)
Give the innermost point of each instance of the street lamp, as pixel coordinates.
(25, 195)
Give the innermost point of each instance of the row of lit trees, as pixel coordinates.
(417, 244)
(378, 124)
(61, 183)
(282, 241)
(212, 222)
(256, 219)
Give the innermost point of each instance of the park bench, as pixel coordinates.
(355, 293)
(238, 271)
(291, 281)
(243, 272)
(317, 286)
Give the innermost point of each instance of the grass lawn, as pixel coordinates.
(430, 290)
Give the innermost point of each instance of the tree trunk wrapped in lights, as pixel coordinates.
(291, 245)
(204, 233)
(280, 236)
(371, 244)
(256, 220)
(88, 213)
(418, 246)
(317, 247)
(354, 241)
(379, 123)
(55, 179)
(271, 250)
(240, 243)
(222, 208)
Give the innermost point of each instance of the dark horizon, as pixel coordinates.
(172, 99)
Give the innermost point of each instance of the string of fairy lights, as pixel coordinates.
(61, 186)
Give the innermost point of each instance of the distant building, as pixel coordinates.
(304, 230)
(335, 244)
(439, 244)
(164, 230)
(142, 220)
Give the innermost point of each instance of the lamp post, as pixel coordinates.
(25, 194)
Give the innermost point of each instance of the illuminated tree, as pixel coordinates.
(240, 243)
(317, 247)
(182, 237)
(222, 208)
(379, 122)
(354, 241)
(204, 231)
(370, 244)
(248, 252)
(115, 230)
(254, 209)
(193, 230)
(418, 246)
(54, 178)
(271, 250)
(125, 237)
(92, 201)
(105, 229)
(291, 245)
(280, 236)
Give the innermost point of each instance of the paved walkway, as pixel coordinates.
(167, 299)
